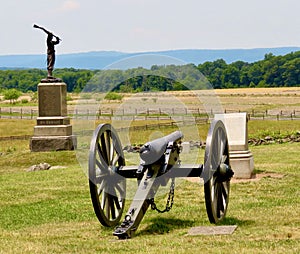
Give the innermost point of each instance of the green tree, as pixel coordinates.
(291, 74)
(12, 95)
(231, 76)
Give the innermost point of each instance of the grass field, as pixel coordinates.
(51, 211)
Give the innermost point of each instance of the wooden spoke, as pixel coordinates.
(216, 189)
(107, 188)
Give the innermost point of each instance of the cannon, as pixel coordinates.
(159, 164)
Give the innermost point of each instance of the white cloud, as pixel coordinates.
(69, 5)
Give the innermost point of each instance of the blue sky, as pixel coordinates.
(148, 25)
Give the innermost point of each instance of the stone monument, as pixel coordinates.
(53, 131)
(241, 158)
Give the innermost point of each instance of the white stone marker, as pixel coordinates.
(241, 159)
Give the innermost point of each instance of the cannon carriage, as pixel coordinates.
(159, 164)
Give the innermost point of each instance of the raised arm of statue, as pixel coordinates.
(50, 53)
(42, 28)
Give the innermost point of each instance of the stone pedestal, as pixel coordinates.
(53, 131)
(241, 158)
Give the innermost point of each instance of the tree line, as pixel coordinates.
(26, 80)
(272, 71)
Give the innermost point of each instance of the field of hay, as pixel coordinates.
(273, 100)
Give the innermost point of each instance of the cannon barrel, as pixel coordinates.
(152, 151)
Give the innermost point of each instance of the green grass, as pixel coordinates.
(18, 104)
(16, 127)
(264, 128)
(51, 211)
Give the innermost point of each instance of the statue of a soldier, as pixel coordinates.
(50, 52)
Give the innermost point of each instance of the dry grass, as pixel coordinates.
(243, 99)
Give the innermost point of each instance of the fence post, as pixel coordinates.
(0, 113)
(277, 117)
(99, 114)
(21, 113)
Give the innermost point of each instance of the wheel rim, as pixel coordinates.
(107, 188)
(216, 187)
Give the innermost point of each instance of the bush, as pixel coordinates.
(113, 96)
(69, 98)
(24, 101)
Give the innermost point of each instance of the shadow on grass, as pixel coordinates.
(165, 225)
(258, 171)
(228, 221)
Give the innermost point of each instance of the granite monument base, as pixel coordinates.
(55, 143)
(53, 131)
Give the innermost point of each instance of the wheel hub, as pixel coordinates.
(224, 172)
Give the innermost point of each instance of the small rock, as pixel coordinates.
(41, 166)
(285, 140)
(268, 138)
(44, 166)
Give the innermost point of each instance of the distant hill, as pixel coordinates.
(102, 59)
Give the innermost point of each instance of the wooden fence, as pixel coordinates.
(150, 114)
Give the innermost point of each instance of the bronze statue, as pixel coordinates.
(50, 53)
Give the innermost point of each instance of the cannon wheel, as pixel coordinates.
(107, 188)
(216, 188)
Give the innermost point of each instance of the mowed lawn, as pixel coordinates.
(51, 211)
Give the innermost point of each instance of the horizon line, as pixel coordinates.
(150, 51)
